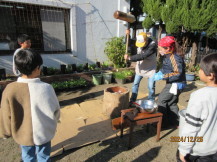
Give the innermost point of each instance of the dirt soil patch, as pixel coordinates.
(145, 148)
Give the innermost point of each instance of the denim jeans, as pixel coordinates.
(40, 153)
(151, 88)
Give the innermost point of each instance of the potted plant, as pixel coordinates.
(74, 68)
(192, 72)
(120, 77)
(129, 75)
(63, 68)
(105, 65)
(97, 79)
(92, 67)
(98, 64)
(2, 74)
(115, 50)
(86, 67)
(80, 68)
(68, 69)
(107, 77)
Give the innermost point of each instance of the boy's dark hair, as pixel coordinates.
(209, 65)
(22, 38)
(26, 60)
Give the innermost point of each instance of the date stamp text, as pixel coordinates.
(185, 139)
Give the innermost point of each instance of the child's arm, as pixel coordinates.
(15, 70)
(151, 50)
(177, 69)
(5, 116)
(195, 114)
(57, 115)
(55, 104)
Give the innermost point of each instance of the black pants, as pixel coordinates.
(191, 158)
(167, 104)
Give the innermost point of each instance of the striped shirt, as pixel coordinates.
(201, 123)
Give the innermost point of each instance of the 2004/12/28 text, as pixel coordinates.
(185, 139)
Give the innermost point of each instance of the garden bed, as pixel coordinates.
(66, 81)
(58, 78)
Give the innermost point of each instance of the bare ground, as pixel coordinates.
(144, 148)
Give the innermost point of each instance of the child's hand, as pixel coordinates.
(182, 157)
(158, 76)
(127, 31)
(126, 56)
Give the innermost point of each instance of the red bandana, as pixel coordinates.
(167, 41)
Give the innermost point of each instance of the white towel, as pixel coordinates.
(174, 88)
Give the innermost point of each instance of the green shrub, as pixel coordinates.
(128, 73)
(92, 66)
(119, 75)
(194, 69)
(123, 74)
(106, 64)
(115, 50)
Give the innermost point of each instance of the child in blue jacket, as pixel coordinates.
(173, 72)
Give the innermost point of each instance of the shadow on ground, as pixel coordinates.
(190, 86)
(112, 147)
(149, 155)
(109, 148)
(81, 98)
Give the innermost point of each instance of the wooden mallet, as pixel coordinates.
(128, 18)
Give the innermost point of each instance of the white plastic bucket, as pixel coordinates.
(181, 119)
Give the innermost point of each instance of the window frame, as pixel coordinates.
(66, 12)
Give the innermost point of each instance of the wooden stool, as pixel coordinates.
(140, 119)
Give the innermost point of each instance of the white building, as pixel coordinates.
(64, 31)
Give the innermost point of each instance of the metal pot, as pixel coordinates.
(146, 106)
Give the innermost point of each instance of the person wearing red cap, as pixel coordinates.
(145, 65)
(173, 72)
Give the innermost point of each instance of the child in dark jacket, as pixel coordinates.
(145, 65)
(29, 109)
(173, 72)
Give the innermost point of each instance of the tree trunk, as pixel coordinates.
(159, 32)
(185, 44)
(158, 38)
(195, 42)
(207, 44)
(193, 54)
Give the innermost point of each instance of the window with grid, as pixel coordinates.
(48, 27)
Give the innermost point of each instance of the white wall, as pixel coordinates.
(91, 24)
